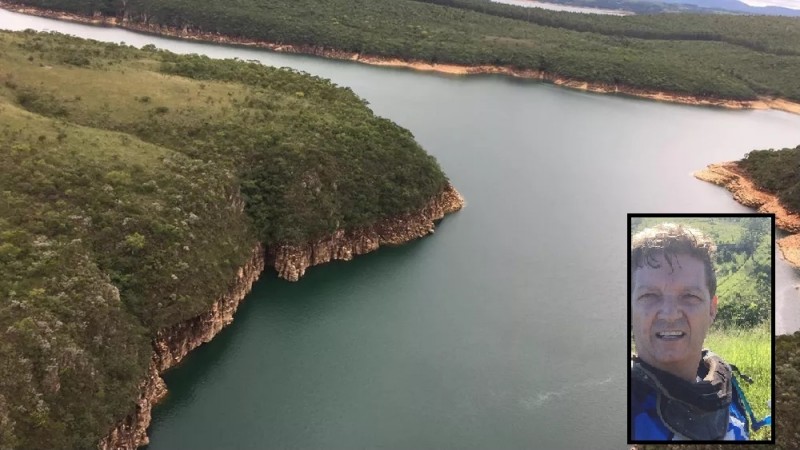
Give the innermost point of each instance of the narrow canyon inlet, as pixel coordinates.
(505, 328)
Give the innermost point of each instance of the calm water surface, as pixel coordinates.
(505, 329)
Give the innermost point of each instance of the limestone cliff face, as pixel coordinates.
(131, 432)
(732, 178)
(171, 345)
(291, 261)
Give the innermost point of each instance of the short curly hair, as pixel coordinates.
(669, 240)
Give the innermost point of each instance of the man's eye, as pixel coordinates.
(693, 298)
(647, 297)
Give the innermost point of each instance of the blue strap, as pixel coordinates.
(756, 423)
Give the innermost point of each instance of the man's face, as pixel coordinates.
(671, 311)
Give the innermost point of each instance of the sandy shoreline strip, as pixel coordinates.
(453, 69)
(732, 178)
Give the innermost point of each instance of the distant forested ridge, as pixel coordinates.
(709, 56)
(135, 185)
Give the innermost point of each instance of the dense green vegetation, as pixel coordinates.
(743, 266)
(777, 172)
(722, 56)
(135, 184)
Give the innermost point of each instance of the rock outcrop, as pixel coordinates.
(291, 261)
(171, 345)
(131, 432)
(732, 178)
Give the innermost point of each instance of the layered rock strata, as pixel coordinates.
(732, 178)
(140, 24)
(171, 345)
(291, 261)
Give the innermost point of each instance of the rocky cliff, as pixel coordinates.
(291, 261)
(171, 345)
(732, 178)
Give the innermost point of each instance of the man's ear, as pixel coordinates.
(713, 308)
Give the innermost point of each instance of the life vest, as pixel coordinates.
(665, 407)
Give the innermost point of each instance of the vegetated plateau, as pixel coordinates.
(135, 185)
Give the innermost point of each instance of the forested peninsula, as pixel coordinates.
(769, 181)
(144, 192)
(722, 60)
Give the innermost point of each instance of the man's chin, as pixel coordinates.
(671, 361)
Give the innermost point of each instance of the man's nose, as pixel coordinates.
(669, 308)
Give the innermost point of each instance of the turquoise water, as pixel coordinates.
(506, 328)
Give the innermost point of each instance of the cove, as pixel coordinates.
(505, 329)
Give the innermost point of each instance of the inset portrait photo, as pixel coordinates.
(701, 323)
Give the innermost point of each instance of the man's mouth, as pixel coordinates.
(670, 335)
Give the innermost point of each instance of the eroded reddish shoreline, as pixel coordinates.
(732, 178)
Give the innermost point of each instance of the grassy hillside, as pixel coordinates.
(732, 57)
(135, 183)
(751, 352)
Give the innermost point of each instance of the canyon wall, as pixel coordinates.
(291, 261)
(172, 344)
